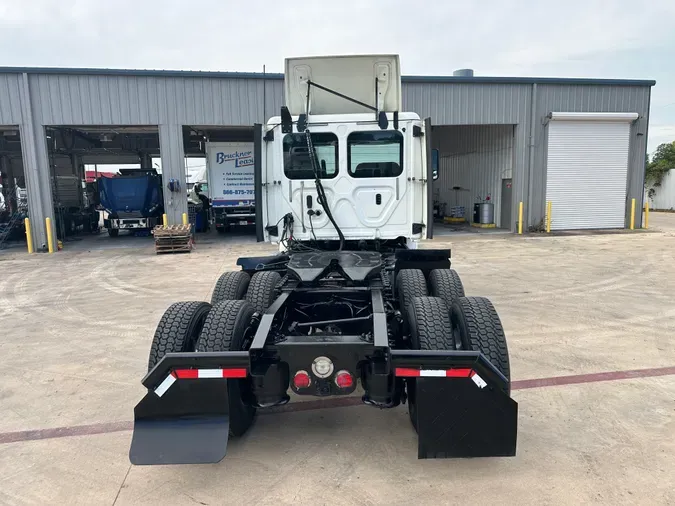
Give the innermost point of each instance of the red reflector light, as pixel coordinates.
(301, 379)
(344, 380)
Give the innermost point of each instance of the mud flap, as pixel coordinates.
(464, 418)
(188, 424)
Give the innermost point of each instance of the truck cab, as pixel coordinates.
(371, 160)
(375, 179)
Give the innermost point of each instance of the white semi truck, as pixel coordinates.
(230, 183)
(343, 184)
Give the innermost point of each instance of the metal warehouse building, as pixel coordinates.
(579, 143)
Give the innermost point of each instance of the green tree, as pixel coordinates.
(662, 161)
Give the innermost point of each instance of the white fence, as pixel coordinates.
(664, 195)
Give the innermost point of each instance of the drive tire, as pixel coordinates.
(410, 283)
(262, 290)
(231, 286)
(476, 325)
(178, 330)
(228, 328)
(430, 329)
(445, 283)
(113, 232)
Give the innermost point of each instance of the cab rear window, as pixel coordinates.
(297, 164)
(375, 154)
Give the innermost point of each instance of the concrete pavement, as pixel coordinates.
(75, 329)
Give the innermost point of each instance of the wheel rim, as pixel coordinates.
(249, 333)
(457, 337)
(191, 344)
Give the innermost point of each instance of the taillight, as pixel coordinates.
(301, 379)
(344, 380)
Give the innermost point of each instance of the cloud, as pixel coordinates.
(576, 38)
(432, 37)
(660, 134)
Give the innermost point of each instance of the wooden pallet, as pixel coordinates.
(173, 239)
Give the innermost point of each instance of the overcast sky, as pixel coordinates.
(588, 38)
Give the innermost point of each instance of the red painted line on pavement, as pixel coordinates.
(591, 378)
(75, 430)
(333, 402)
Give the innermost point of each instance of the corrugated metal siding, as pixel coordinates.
(587, 173)
(128, 99)
(574, 98)
(10, 99)
(467, 104)
(133, 100)
(475, 158)
(35, 163)
(664, 195)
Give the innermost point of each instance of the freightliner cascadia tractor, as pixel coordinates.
(343, 186)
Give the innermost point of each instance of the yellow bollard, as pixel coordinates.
(632, 214)
(29, 235)
(185, 219)
(647, 214)
(520, 218)
(50, 235)
(548, 216)
(165, 220)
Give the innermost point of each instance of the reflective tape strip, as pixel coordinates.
(405, 372)
(164, 385)
(234, 373)
(187, 373)
(433, 373)
(408, 372)
(198, 374)
(210, 373)
(458, 373)
(478, 380)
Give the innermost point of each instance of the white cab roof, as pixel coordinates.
(353, 76)
(348, 118)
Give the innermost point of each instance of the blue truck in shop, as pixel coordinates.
(133, 200)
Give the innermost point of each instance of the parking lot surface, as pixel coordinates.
(75, 331)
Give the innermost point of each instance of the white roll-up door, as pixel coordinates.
(587, 169)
